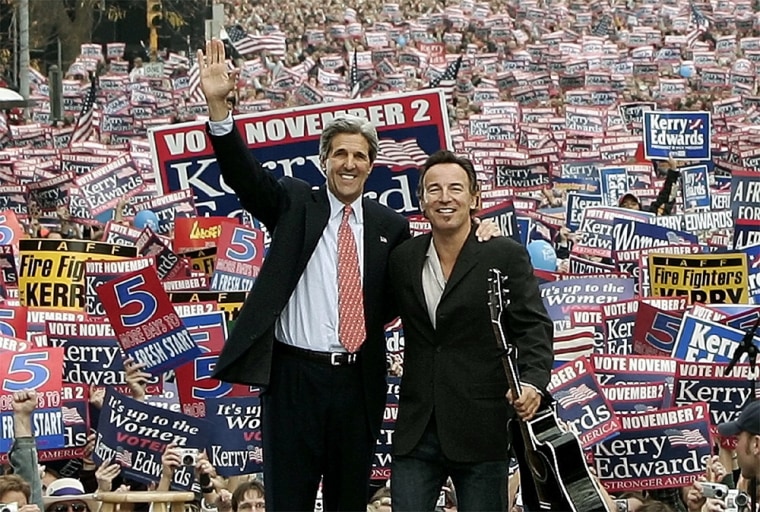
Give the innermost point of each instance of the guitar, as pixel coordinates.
(554, 457)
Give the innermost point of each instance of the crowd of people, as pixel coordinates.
(321, 354)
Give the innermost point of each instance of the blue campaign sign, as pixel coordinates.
(682, 135)
(410, 127)
(504, 216)
(695, 187)
(525, 225)
(558, 296)
(702, 340)
(135, 435)
(614, 182)
(576, 204)
(234, 447)
(581, 405)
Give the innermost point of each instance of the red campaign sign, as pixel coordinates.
(410, 126)
(10, 229)
(655, 330)
(239, 256)
(13, 322)
(40, 370)
(75, 412)
(192, 233)
(194, 382)
(13, 344)
(147, 327)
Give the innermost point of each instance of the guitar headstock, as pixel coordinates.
(498, 294)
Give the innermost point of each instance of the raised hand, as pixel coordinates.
(216, 81)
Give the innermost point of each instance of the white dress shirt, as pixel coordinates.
(310, 318)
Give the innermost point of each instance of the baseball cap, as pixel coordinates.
(65, 489)
(747, 421)
(626, 196)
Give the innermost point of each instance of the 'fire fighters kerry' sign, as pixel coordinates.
(682, 135)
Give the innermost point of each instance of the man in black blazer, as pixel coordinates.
(322, 402)
(453, 405)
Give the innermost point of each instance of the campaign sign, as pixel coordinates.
(105, 186)
(51, 272)
(135, 435)
(613, 369)
(707, 382)
(695, 188)
(410, 127)
(168, 399)
(240, 254)
(682, 135)
(52, 193)
(381, 464)
(701, 340)
(75, 414)
(194, 382)
(145, 323)
(503, 214)
(98, 272)
(150, 245)
(202, 260)
(655, 450)
(169, 207)
(91, 355)
(115, 233)
(637, 398)
(656, 329)
(753, 267)
(229, 303)
(576, 204)
(591, 291)
(13, 323)
(745, 198)
(581, 405)
(702, 278)
(619, 319)
(614, 181)
(630, 234)
(234, 446)
(40, 370)
(192, 233)
(8, 265)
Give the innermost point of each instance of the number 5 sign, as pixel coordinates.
(239, 257)
(42, 371)
(146, 325)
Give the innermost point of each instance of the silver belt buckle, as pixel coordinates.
(334, 359)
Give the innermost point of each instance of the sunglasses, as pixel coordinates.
(74, 507)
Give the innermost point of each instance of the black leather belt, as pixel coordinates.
(327, 358)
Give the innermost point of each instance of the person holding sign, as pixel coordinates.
(453, 409)
(311, 331)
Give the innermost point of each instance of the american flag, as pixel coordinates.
(689, 438)
(449, 77)
(124, 457)
(693, 36)
(575, 395)
(71, 416)
(572, 343)
(400, 154)
(85, 127)
(194, 80)
(256, 454)
(240, 39)
(699, 19)
(354, 77)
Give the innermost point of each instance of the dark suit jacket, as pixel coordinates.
(296, 215)
(454, 371)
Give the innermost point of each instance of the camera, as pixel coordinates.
(188, 456)
(737, 501)
(8, 507)
(713, 490)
